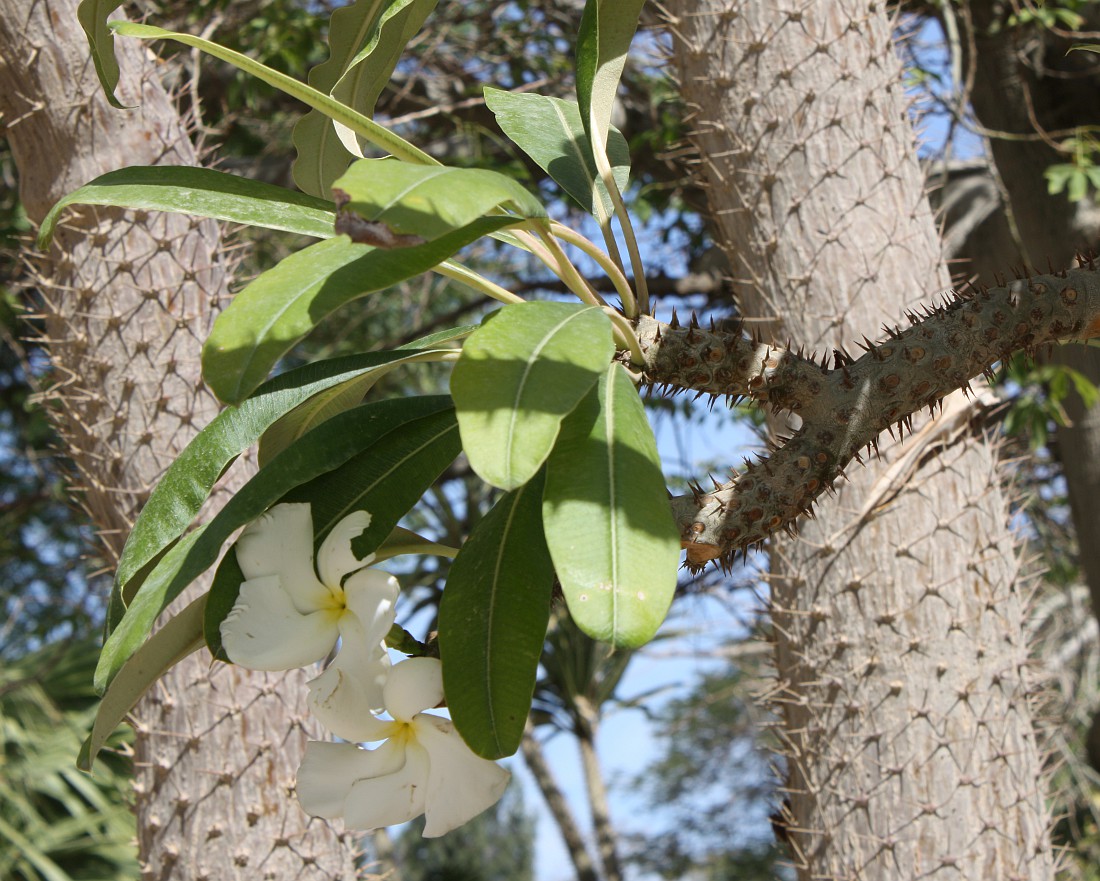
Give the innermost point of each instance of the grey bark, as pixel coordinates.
(901, 666)
(1023, 83)
(587, 729)
(558, 805)
(126, 301)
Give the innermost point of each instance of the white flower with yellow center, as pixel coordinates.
(424, 767)
(291, 614)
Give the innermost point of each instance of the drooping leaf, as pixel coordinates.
(385, 479)
(285, 303)
(492, 622)
(202, 192)
(519, 375)
(178, 638)
(186, 485)
(92, 15)
(366, 40)
(609, 527)
(328, 446)
(551, 132)
(606, 30)
(363, 126)
(430, 201)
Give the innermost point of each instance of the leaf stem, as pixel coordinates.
(457, 272)
(555, 259)
(606, 262)
(625, 337)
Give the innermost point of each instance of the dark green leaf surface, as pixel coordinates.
(606, 30)
(608, 524)
(185, 486)
(202, 192)
(430, 201)
(92, 15)
(551, 132)
(285, 303)
(328, 446)
(519, 375)
(492, 622)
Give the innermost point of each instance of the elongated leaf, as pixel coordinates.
(607, 27)
(202, 192)
(609, 527)
(519, 375)
(327, 447)
(285, 303)
(92, 15)
(551, 132)
(186, 484)
(492, 622)
(363, 126)
(386, 479)
(367, 38)
(178, 638)
(430, 201)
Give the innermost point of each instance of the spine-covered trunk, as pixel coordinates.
(901, 665)
(126, 302)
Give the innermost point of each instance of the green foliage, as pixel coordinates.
(56, 824)
(1082, 173)
(497, 845)
(611, 534)
(1038, 404)
(519, 376)
(492, 622)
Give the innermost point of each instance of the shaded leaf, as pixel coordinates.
(492, 622)
(92, 15)
(606, 30)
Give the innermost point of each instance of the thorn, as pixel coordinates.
(675, 322)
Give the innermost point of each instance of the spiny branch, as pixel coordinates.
(846, 407)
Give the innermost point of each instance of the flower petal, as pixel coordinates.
(344, 696)
(395, 798)
(460, 784)
(329, 770)
(336, 558)
(368, 788)
(371, 595)
(264, 630)
(413, 685)
(280, 542)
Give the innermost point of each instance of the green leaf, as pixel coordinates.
(430, 201)
(285, 303)
(606, 30)
(366, 39)
(386, 478)
(608, 523)
(185, 486)
(331, 401)
(328, 446)
(520, 374)
(92, 15)
(202, 192)
(492, 622)
(178, 638)
(551, 132)
(363, 126)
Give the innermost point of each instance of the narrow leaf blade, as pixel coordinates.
(606, 30)
(519, 375)
(551, 132)
(282, 305)
(609, 527)
(92, 15)
(202, 192)
(492, 622)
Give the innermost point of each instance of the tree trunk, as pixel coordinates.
(558, 805)
(597, 790)
(901, 664)
(126, 302)
(1013, 91)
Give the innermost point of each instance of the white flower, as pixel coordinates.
(286, 616)
(424, 767)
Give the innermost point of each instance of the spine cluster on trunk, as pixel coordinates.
(845, 407)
